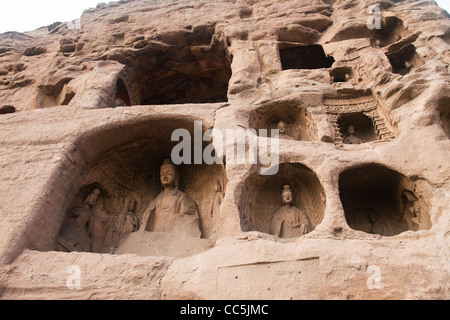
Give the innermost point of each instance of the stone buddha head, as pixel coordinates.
(169, 175)
(287, 197)
(351, 130)
(281, 127)
(92, 198)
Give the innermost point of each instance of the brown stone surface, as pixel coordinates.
(95, 107)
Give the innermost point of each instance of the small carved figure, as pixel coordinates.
(377, 44)
(122, 226)
(281, 126)
(98, 225)
(172, 209)
(289, 221)
(412, 213)
(215, 210)
(74, 234)
(352, 138)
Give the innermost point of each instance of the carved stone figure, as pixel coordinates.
(215, 210)
(172, 210)
(412, 213)
(122, 226)
(289, 221)
(282, 128)
(98, 225)
(352, 138)
(74, 234)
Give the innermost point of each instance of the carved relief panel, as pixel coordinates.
(358, 120)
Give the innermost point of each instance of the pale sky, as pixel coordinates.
(28, 15)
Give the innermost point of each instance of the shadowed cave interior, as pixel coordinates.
(378, 200)
(262, 196)
(304, 57)
(362, 124)
(191, 74)
(298, 121)
(128, 178)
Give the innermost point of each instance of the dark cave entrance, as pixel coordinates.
(305, 57)
(378, 200)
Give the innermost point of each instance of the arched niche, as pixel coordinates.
(122, 97)
(262, 197)
(128, 173)
(363, 126)
(298, 121)
(378, 200)
(126, 92)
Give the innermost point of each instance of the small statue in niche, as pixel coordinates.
(349, 79)
(122, 226)
(289, 221)
(281, 126)
(172, 210)
(412, 213)
(352, 138)
(215, 210)
(74, 236)
(98, 225)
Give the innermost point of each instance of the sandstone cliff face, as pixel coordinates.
(95, 102)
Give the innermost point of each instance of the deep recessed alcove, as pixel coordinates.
(391, 31)
(262, 196)
(122, 96)
(298, 121)
(341, 74)
(133, 171)
(7, 110)
(189, 74)
(362, 125)
(304, 57)
(401, 51)
(378, 200)
(123, 162)
(404, 59)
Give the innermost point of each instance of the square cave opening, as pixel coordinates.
(304, 57)
(356, 128)
(191, 74)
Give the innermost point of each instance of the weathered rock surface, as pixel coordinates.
(95, 102)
